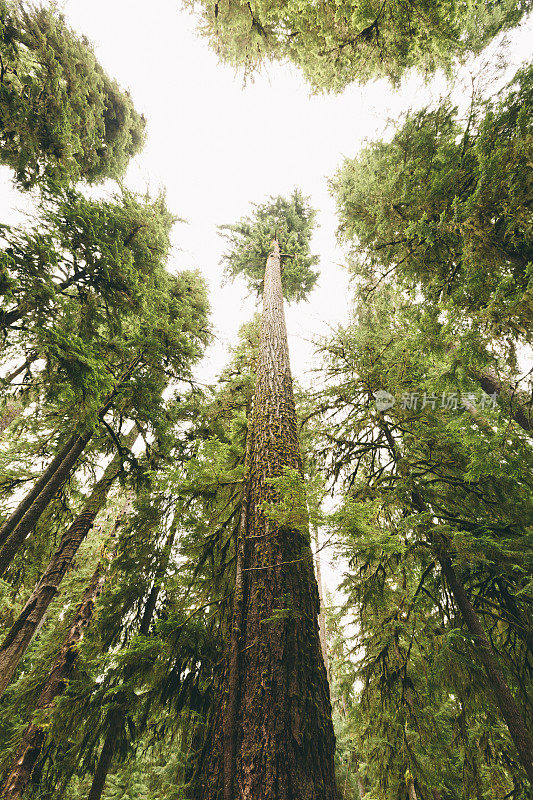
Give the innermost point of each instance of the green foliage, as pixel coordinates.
(445, 207)
(62, 118)
(424, 702)
(250, 240)
(338, 42)
(290, 509)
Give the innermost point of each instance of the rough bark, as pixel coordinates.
(33, 738)
(24, 518)
(29, 620)
(322, 612)
(277, 719)
(486, 655)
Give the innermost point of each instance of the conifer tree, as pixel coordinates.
(62, 118)
(271, 732)
(443, 208)
(337, 43)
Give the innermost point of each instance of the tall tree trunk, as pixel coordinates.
(33, 738)
(104, 764)
(24, 518)
(486, 655)
(361, 787)
(322, 612)
(277, 719)
(12, 521)
(30, 618)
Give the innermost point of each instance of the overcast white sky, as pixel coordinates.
(218, 146)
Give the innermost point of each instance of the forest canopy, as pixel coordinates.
(244, 586)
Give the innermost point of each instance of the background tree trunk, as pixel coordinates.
(29, 620)
(24, 518)
(105, 760)
(411, 791)
(322, 611)
(504, 697)
(32, 740)
(103, 766)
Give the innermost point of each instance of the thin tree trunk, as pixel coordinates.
(28, 521)
(411, 789)
(103, 766)
(231, 708)
(508, 707)
(24, 518)
(11, 523)
(33, 738)
(504, 697)
(105, 760)
(10, 411)
(29, 620)
(279, 730)
(361, 787)
(149, 608)
(322, 612)
(519, 404)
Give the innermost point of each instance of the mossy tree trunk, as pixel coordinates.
(24, 518)
(33, 738)
(30, 618)
(274, 725)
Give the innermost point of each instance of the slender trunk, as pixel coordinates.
(322, 612)
(11, 523)
(149, 608)
(10, 411)
(33, 738)
(361, 787)
(231, 707)
(105, 760)
(27, 624)
(277, 718)
(508, 707)
(519, 404)
(103, 766)
(24, 518)
(486, 655)
(411, 789)
(28, 521)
